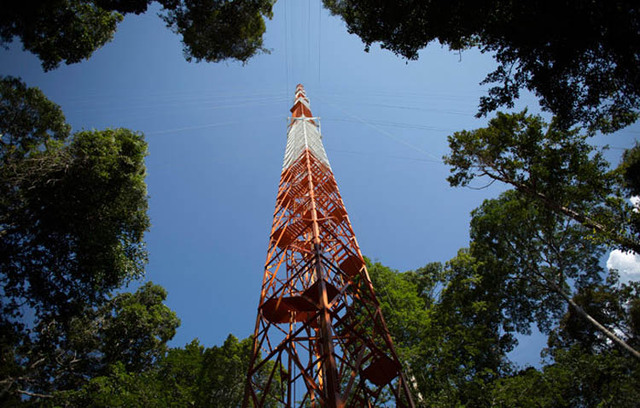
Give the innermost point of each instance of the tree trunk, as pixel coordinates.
(610, 335)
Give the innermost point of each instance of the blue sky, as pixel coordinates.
(217, 134)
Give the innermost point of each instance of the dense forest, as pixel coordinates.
(73, 213)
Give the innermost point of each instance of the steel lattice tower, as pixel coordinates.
(320, 338)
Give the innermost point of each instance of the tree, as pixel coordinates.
(454, 324)
(574, 379)
(173, 380)
(223, 374)
(136, 328)
(70, 31)
(214, 31)
(72, 211)
(73, 218)
(629, 171)
(611, 303)
(403, 308)
(538, 257)
(566, 209)
(579, 58)
(59, 30)
(556, 168)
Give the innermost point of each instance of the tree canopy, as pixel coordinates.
(73, 213)
(447, 332)
(579, 58)
(70, 31)
(550, 232)
(453, 326)
(194, 376)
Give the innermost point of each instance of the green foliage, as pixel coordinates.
(178, 374)
(455, 335)
(118, 388)
(630, 168)
(27, 120)
(217, 30)
(540, 246)
(522, 149)
(127, 334)
(132, 6)
(446, 329)
(629, 171)
(137, 327)
(72, 211)
(402, 307)
(193, 376)
(223, 374)
(70, 31)
(469, 342)
(579, 58)
(72, 221)
(547, 236)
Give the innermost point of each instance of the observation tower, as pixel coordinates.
(320, 338)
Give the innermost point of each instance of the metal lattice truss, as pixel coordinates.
(320, 337)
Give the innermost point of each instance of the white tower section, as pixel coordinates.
(304, 133)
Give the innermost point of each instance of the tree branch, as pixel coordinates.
(580, 218)
(34, 394)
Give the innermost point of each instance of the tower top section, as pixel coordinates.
(301, 107)
(304, 132)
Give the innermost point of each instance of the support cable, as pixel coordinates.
(385, 133)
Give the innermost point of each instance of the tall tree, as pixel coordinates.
(72, 219)
(629, 170)
(70, 31)
(58, 30)
(553, 228)
(579, 58)
(72, 211)
(214, 31)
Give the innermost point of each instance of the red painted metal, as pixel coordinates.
(320, 338)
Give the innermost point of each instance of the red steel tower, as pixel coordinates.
(320, 338)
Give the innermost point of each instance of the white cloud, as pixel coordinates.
(627, 264)
(635, 200)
